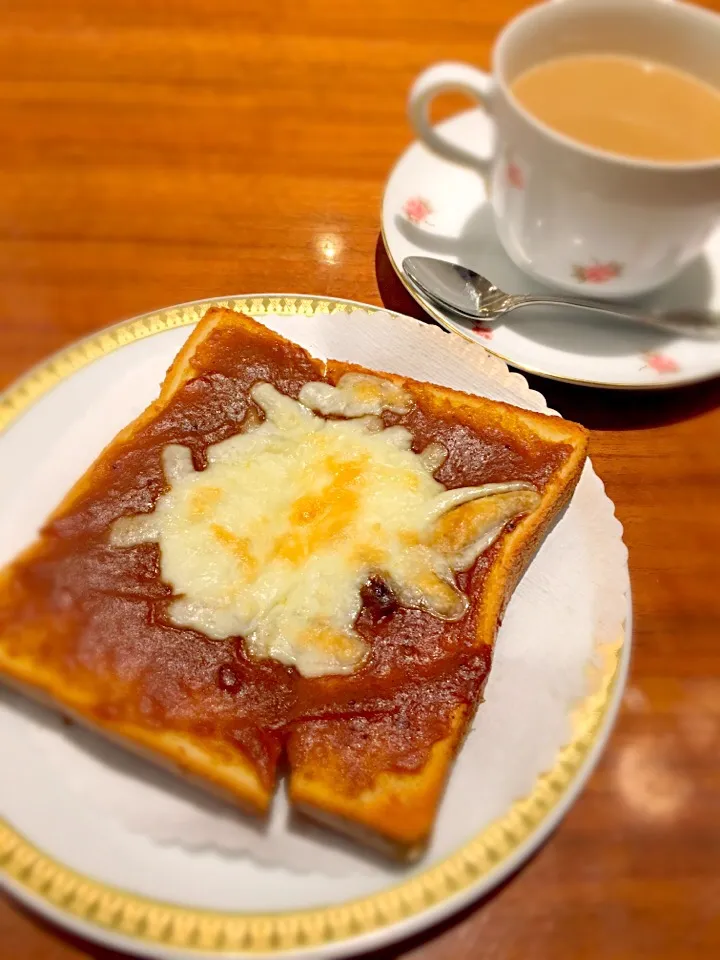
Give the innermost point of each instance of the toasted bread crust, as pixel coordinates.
(210, 766)
(396, 813)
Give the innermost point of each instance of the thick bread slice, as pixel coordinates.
(396, 811)
(210, 761)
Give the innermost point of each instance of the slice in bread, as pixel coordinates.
(87, 625)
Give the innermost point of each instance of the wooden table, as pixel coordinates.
(155, 152)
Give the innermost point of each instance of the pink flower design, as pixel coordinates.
(417, 209)
(597, 272)
(660, 362)
(514, 175)
(483, 331)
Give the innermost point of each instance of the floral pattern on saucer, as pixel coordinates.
(660, 362)
(417, 210)
(482, 330)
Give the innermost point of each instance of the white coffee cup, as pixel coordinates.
(587, 221)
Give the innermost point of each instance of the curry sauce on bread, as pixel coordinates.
(286, 557)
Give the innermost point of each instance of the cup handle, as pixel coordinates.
(439, 78)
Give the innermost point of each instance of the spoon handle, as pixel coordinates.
(688, 322)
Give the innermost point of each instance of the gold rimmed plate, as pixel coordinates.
(66, 856)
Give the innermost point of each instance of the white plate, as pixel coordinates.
(63, 855)
(438, 209)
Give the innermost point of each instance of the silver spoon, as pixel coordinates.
(472, 295)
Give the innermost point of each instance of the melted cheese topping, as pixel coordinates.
(356, 394)
(275, 539)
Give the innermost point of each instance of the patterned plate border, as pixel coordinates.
(157, 924)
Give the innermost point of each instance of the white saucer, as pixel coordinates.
(435, 208)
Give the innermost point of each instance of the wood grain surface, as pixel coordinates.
(156, 151)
